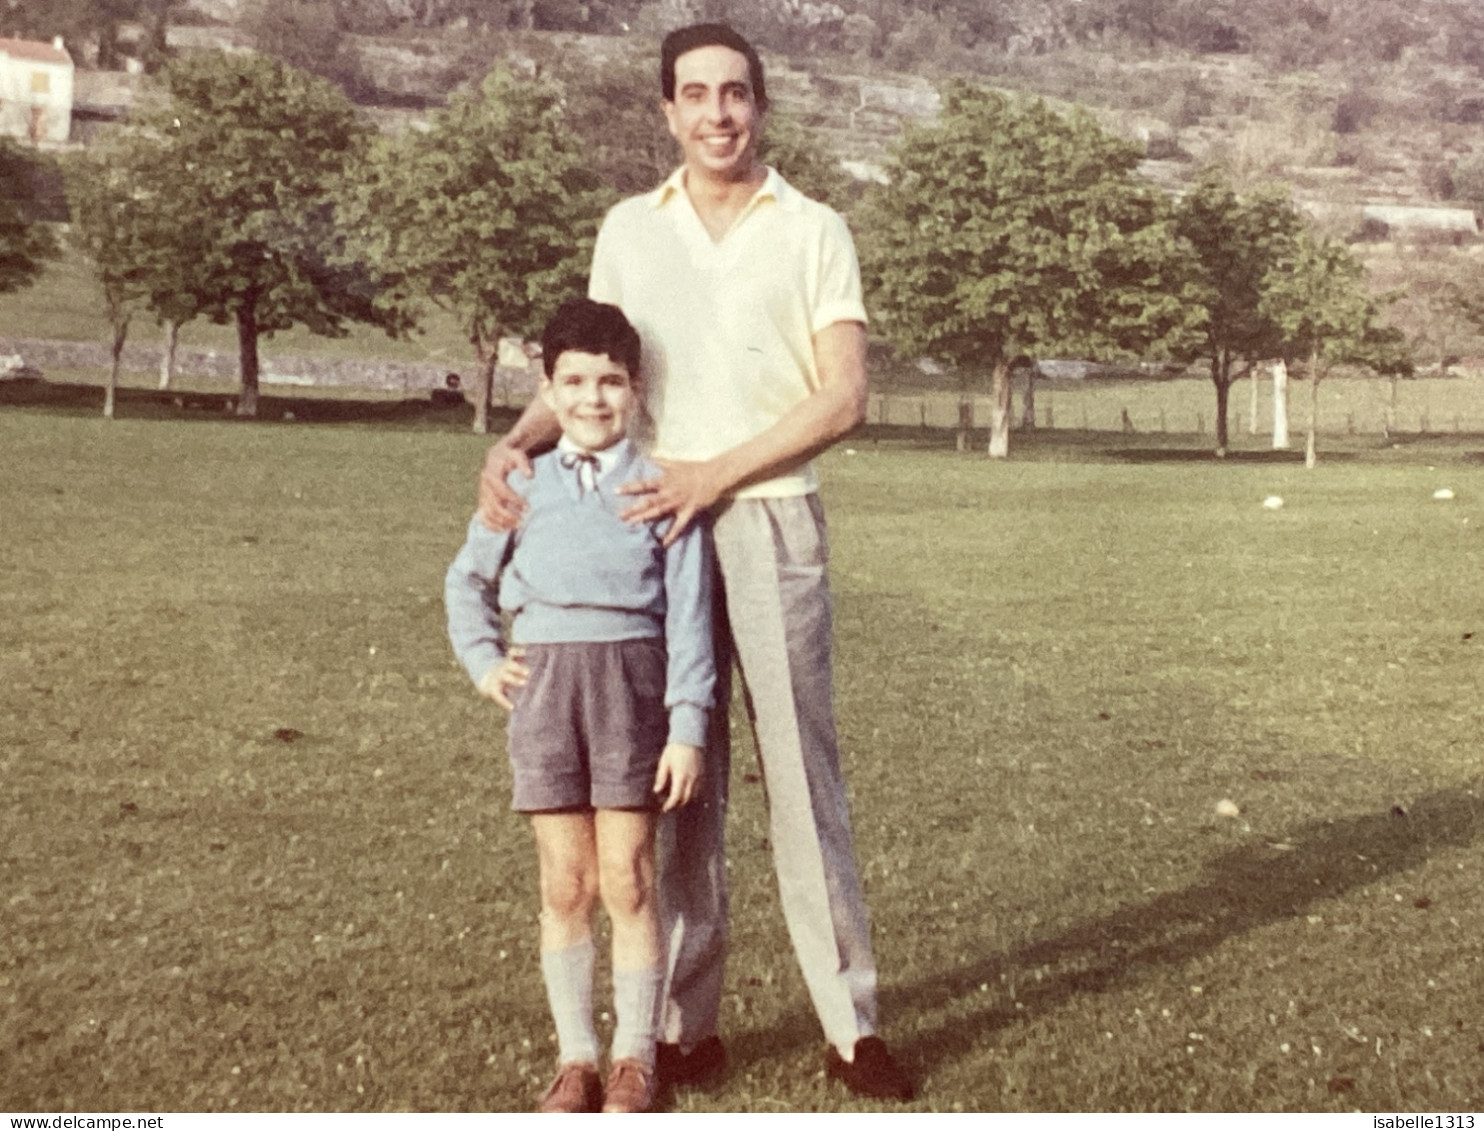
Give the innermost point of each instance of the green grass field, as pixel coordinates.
(258, 855)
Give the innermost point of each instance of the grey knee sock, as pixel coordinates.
(568, 973)
(636, 1001)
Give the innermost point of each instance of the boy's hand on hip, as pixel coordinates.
(500, 508)
(508, 673)
(685, 488)
(679, 774)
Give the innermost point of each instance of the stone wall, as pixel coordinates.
(366, 373)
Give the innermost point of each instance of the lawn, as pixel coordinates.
(258, 852)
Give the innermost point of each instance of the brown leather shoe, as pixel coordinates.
(576, 1088)
(630, 1087)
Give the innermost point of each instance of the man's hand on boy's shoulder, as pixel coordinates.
(500, 505)
(679, 774)
(509, 673)
(683, 488)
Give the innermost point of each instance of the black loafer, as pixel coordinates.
(703, 1065)
(874, 1072)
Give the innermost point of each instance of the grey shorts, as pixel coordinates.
(589, 727)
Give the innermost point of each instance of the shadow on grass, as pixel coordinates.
(1242, 891)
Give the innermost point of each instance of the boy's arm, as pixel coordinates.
(471, 599)
(690, 681)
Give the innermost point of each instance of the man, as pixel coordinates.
(747, 297)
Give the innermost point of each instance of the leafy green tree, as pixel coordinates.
(25, 244)
(1317, 297)
(615, 110)
(107, 208)
(252, 151)
(489, 214)
(1009, 229)
(119, 195)
(1237, 241)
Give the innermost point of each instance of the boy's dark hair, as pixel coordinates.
(684, 39)
(590, 327)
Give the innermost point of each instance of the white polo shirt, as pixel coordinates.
(727, 325)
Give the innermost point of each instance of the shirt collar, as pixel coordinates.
(609, 458)
(774, 188)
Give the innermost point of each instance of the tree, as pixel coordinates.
(108, 204)
(119, 194)
(24, 248)
(489, 214)
(1236, 243)
(252, 151)
(25, 243)
(1317, 298)
(1008, 228)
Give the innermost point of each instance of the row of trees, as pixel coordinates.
(1009, 230)
(247, 193)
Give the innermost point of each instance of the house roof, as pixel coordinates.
(34, 50)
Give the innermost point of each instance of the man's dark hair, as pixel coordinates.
(684, 39)
(590, 327)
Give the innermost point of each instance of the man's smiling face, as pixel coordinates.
(715, 116)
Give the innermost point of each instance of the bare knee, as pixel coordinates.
(568, 890)
(627, 887)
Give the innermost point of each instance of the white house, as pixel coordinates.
(35, 90)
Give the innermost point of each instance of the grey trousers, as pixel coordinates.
(773, 620)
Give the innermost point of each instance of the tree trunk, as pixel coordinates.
(1389, 426)
(1310, 456)
(167, 358)
(965, 421)
(999, 417)
(1028, 409)
(247, 358)
(110, 394)
(487, 354)
(1280, 405)
(1252, 408)
(1221, 378)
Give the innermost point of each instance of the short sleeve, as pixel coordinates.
(838, 295)
(604, 284)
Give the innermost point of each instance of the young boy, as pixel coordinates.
(608, 684)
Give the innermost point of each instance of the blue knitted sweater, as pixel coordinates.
(574, 571)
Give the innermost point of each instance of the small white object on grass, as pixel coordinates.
(1226, 807)
(1442, 493)
(850, 451)
(1273, 502)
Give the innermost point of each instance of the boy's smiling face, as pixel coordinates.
(592, 396)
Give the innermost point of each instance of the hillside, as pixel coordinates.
(1349, 102)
